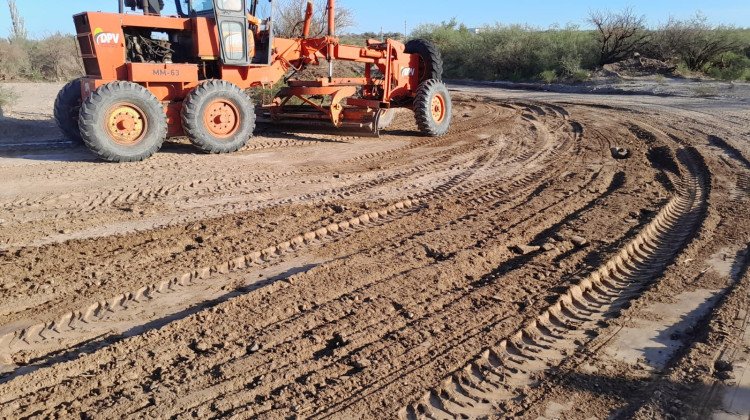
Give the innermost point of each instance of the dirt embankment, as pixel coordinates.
(522, 266)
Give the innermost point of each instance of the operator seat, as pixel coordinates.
(154, 6)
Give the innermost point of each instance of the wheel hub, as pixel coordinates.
(222, 118)
(126, 123)
(437, 107)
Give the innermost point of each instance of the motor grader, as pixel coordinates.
(150, 77)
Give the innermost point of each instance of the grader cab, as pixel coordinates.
(150, 77)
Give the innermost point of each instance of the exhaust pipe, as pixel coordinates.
(331, 34)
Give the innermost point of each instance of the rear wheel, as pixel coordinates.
(67, 109)
(433, 108)
(123, 122)
(218, 117)
(430, 61)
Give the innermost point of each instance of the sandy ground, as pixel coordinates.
(518, 267)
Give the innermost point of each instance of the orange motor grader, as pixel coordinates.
(150, 77)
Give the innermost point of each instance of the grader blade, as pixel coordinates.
(324, 107)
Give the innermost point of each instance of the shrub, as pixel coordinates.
(619, 34)
(14, 61)
(56, 58)
(695, 41)
(548, 76)
(7, 98)
(513, 52)
(704, 91)
(580, 76)
(729, 66)
(520, 52)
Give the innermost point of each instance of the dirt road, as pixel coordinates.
(522, 266)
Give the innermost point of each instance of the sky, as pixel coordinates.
(45, 17)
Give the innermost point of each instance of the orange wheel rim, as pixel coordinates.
(437, 106)
(222, 118)
(126, 123)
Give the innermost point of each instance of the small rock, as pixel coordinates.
(2, 221)
(631, 221)
(202, 346)
(339, 340)
(548, 247)
(338, 208)
(253, 347)
(620, 152)
(361, 364)
(525, 249)
(579, 241)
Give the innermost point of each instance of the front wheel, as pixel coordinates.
(122, 122)
(433, 108)
(385, 119)
(218, 117)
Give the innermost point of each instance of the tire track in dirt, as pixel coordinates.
(500, 372)
(359, 325)
(81, 319)
(135, 195)
(363, 326)
(421, 167)
(382, 310)
(478, 146)
(452, 304)
(198, 190)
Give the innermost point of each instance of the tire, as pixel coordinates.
(433, 108)
(123, 122)
(386, 118)
(431, 62)
(67, 110)
(218, 117)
